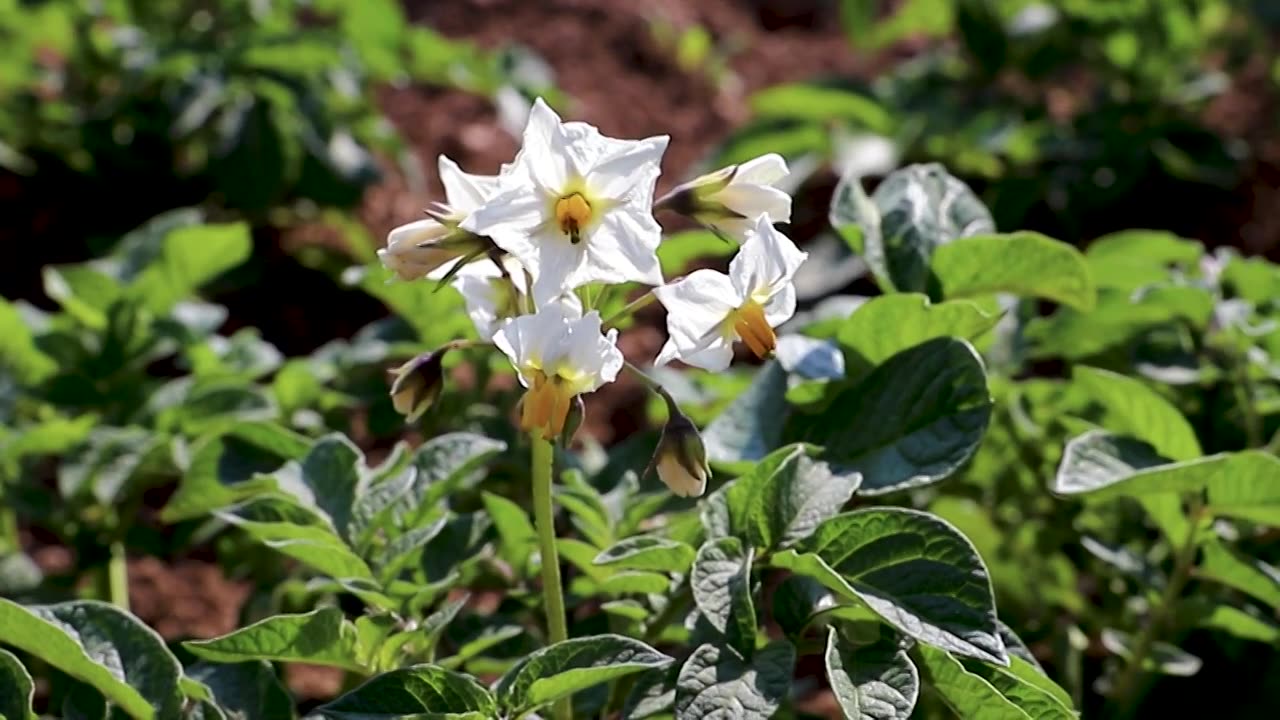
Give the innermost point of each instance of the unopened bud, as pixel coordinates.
(420, 248)
(577, 415)
(418, 383)
(681, 458)
(729, 198)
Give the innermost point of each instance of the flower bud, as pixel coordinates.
(681, 458)
(418, 383)
(420, 248)
(730, 198)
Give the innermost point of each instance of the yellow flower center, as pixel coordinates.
(573, 212)
(749, 324)
(546, 405)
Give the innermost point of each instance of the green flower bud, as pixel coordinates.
(681, 458)
(418, 383)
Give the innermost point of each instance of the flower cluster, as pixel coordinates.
(533, 249)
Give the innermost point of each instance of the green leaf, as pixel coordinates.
(84, 292)
(1233, 569)
(1026, 264)
(647, 552)
(721, 583)
(1130, 259)
(913, 569)
(425, 691)
(115, 463)
(1162, 657)
(873, 682)
(102, 646)
(248, 690)
(822, 102)
(652, 695)
(751, 426)
(1134, 408)
(327, 481)
(1032, 692)
(567, 667)
(635, 582)
(918, 209)
(888, 324)
(716, 678)
(191, 256)
(1235, 621)
(320, 637)
(735, 509)
(19, 354)
(437, 317)
(913, 421)
(517, 538)
(313, 544)
(968, 694)
(800, 495)
(16, 689)
(443, 463)
(228, 468)
(679, 250)
(796, 601)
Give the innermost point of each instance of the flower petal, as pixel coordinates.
(752, 200)
(781, 306)
(622, 248)
(765, 170)
(766, 262)
(556, 265)
(509, 219)
(628, 174)
(464, 191)
(542, 159)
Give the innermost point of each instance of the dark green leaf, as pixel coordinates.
(1026, 264)
(423, 691)
(888, 324)
(248, 690)
(443, 463)
(715, 680)
(721, 582)
(751, 426)
(320, 637)
(1233, 569)
(228, 468)
(311, 543)
(567, 667)
(913, 421)
(797, 600)
(327, 480)
(647, 552)
(653, 695)
(873, 682)
(967, 694)
(101, 645)
(16, 689)
(913, 569)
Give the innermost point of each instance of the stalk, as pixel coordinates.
(630, 308)
(118, 576)
(544, 520)
(9, 531)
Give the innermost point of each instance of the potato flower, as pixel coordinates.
(576, 207)
(558, 354)
(732, 198)
(494, 293)
(708, 310)
(421, 247)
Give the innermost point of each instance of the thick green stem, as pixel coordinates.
(544, 519)
(118, 576)
(1127, 685)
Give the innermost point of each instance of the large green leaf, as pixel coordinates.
(913, 569)
(420, 691)
(567, 667)
(1026, 264)
(716, 680)
(19, 354)
(647, 552)
(438, 317)
(114, 463)
(191, 256)
(968, 694)
(327, 481)
(721, 583)
(228, 468)
(872, 682)
(913, 421)
(888, 324)
(785, 496)
(16, 689)
(751, 426)
(913, 212)
(320, 637)
(102, 646)
(1129, 259)
(247, 690)
(1233, 569)
(443, 463)
(1134, 408)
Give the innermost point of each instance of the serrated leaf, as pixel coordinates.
(721, 583)
(717, 679)
(647, 552)
(1026, 264)
(16, 689)
(751, 426)
(248, 690)
(320, 637)
(888, 324)
(912, 421)
(872, 682)
(913, 569)
(567, 667)
(517, 538)
(1233, 569)
(418, 691)
(101, 645)
(967, 694)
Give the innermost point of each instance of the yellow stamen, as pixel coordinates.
(546, 406)
(573, 212)
(752, 327)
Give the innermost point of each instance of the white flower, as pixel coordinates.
(422, 247)
(576, 206)
(707, 310)
(558, 353)
(493, 295)
(732, 198)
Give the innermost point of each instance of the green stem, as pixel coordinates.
(9, 531)
(118, 576)
(1127, 684)
(1244, 397)
(630, 308)
(544, 519)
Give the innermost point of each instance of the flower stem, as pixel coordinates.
(630, 308)
(9, 531)
(118, 576)
(1127, 684)
(544, 519)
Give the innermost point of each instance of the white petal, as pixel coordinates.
(593, 354)
(629, 173)
(751, 201)
(697, 303)
(481, 298)
(622, 248)
(766, 262)
(509, 219)
(556, 265)
(716, 356)
(764, 170)
(464, 191)
(542, 158)
(415, 233)
(781, 305)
